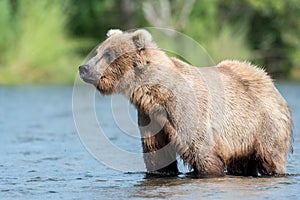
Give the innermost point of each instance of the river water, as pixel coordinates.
(42, 156)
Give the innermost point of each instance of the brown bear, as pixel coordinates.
(225, 119)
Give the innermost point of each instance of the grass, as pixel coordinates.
(35, 44)
(221, 43)
(36, 47)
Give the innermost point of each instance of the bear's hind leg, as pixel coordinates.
(274, 144)
(272, 163)
(209, 166)
(244, 166)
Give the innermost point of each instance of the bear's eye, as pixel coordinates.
(109, 55)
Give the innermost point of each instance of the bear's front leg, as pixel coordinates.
(159, 154)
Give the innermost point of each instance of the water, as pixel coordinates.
(42, 156)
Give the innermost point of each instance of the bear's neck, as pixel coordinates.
(152, 86)
(150, 97)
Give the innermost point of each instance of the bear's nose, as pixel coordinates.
(84, 69)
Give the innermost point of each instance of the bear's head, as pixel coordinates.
(119, 61)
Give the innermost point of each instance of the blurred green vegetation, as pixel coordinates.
(44, 41)
(35, 45)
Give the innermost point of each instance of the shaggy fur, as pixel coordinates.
(229, 117)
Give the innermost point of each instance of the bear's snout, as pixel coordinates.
(84, 70)
(88, 74)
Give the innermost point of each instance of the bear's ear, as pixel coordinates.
(113, 32)
(141, 38)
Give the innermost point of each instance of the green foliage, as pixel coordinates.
(37, 47)
(5, 19)
(93, 18)
(45, 40)
(268, 6)
(273, 31)
(221, 39)
(228, 44)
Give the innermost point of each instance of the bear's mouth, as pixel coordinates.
(91, 78)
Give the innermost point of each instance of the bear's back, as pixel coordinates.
(250, 77)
